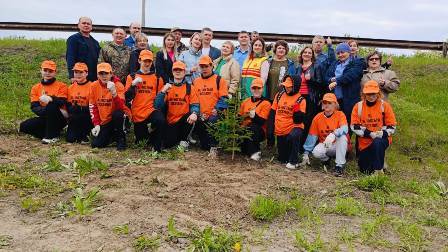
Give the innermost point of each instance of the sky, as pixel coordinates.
(391, 19)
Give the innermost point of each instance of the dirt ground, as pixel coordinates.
(196, 190)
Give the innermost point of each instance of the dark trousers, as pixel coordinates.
(372, 158)
(252, 145)
(205, 138)
(288, 146)
(111, 131)
(47, 126)
(311, 111)
(79, 126)
(177, 132)
(158, 123)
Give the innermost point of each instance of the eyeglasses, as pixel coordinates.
(374, 59)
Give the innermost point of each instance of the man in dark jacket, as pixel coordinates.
(81, 47)
(344, 79)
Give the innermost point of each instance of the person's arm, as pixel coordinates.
(331, 55)
(70, 53)
(38, 109)
(160, 68)
(389, 120)
(356, 125)
(263, 114)
(133, 61)
(223, 94)
(298, 115)
(94, 112)
(392, 83)
(235, 76)
(310, 143)
(159, 102)
(264, 71)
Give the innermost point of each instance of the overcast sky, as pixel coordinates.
(391, 19)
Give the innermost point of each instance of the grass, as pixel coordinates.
(86, 165)
(210, 240)
(312, 246)
(121, 229)
(267, 208)
(145, 243)
(374, 182)
(53, 163)
(348, 207)
(30, 204)
(84, 203)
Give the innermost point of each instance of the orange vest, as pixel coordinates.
(284, 122)
(79, 94)
(57, 89)
(178, 102)
(102, 99)
(208, 93)
(322, 125)
(262, 109)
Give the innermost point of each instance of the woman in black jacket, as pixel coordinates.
(165, 58)
(140, 45)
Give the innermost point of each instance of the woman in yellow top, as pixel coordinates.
(255, 66)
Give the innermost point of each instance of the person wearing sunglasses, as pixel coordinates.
(387, 79)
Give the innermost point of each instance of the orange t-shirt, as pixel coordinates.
(103, 100)
(178, 102)
(79, 94)
(56, 89)
(262, 109)
(372, 119)
(322, 125)
(284, 122)
(145, 94)
(208, 93)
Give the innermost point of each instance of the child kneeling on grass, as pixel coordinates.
(329, 128)
(48, 102)
(374, 123)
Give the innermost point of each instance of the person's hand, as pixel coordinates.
(332, 85)
(214, 112)
(381, 82)
(72, 80)
(204, 117)
(329, 42)
(166, 88)
(192, 118)
(252, 113)
(305, 160)
(96, 130)
(45, 98)
(229, 96)
(307, 75)
(333, 79)
(111, 88)
(373, 134)
(379, 134)
(194, 69)
(137, 81)
(329, 140)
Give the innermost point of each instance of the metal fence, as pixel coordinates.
(227, 35)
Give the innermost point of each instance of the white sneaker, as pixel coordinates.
(192, 140)
(379, 172)
(213, 152)
(256, 156)
(291, 166)
(50, 140)
(184, 144)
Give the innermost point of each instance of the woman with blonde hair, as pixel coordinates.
(141, 43)
(191, 57)
(227, 67)
(165, 58)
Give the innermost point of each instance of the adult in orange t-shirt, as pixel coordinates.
(48, 99)
(212, 93)
(181, 104)
(374, 123)
(329, 129)
(141, 91)
(255, 110)
(107, 109)
(286, 121)
(79, 121)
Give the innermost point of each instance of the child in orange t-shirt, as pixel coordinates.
(48, 100)
(212, 94)
(255, 110)
(286, 120)
(79, 122)
(374, 123)
(329, 129)
(107, 109)
(141, 91)
(181, 104)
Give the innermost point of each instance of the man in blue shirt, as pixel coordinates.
(134, 28)
(243, 49)
(81, 47)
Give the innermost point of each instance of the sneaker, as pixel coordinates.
(256, 156)
(192, 140)
(184, 144)
(213, 152)
(339, 171)
(327, 165)
(121, 144)
(291, 166)
(378, 172)
(85, 141)
(50, 140)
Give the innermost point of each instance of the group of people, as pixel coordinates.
(311, 106)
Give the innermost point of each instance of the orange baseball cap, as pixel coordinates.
(48, 64)
(179, 65)
(205, 60)
(80, 67)
(288, 82)
(371, 87)
(104, 67)
(330, 97)
(146, 55)
(257, 82)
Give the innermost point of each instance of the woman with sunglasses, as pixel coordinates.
(387, 79)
